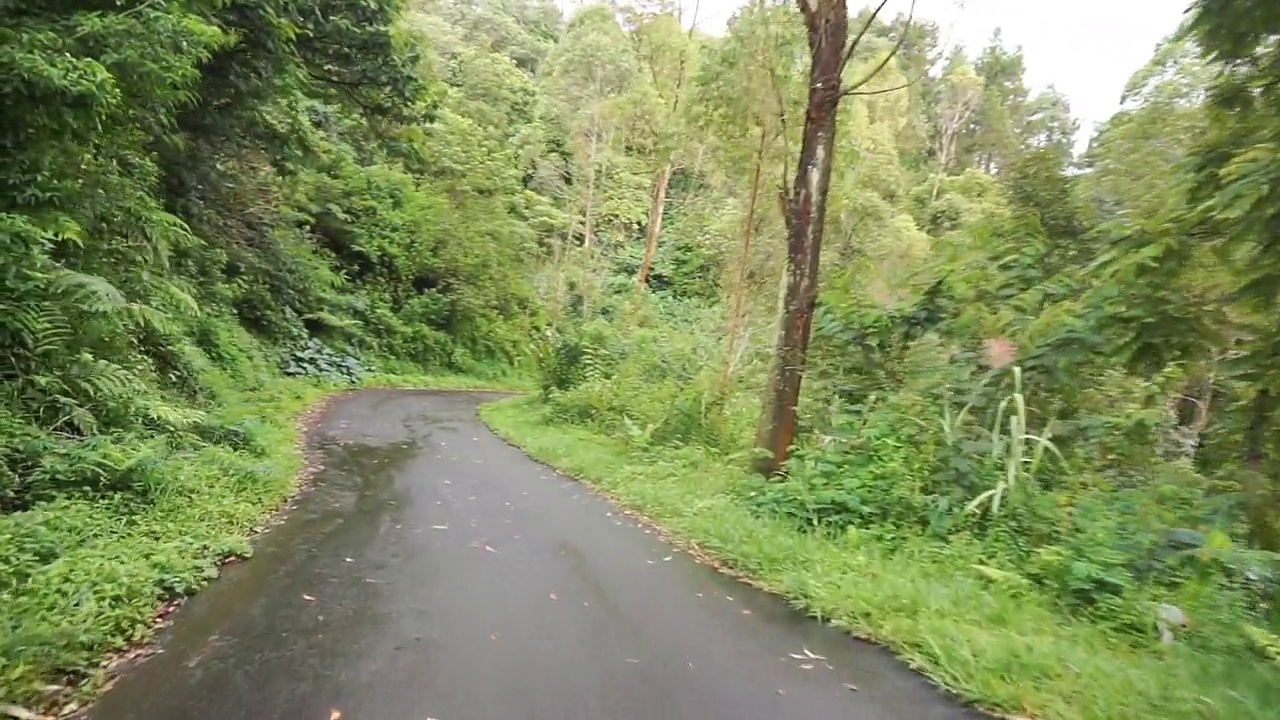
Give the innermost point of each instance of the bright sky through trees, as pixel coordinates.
(1065, 44)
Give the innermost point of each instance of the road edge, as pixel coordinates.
(489, 414)
(302, 453)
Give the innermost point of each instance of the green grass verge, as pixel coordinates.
(83, 577)
(1004, 648)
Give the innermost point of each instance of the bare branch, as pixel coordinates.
(855, 91)
(902, 39)
(684, 57)
(857, 39)
(779, 98)
(693, 22)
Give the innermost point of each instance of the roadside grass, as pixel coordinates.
(82, 577)
(1005, 648)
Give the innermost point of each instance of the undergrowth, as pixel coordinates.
(81, 575)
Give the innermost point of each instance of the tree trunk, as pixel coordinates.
(1261, 497)
(589, 229)
(559, 247)
(656, 207)
(827, 22)
(740, 283)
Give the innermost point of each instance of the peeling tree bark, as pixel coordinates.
(805, 210)
(827, 22)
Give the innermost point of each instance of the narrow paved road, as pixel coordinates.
(436, 572)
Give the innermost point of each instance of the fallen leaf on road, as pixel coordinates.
(806, 666)
(666, 559)
(335, 714)
(815, 657)
(553, 596)
(797, 656)
(347, 560)
(851, 686)
(486, 547)
(439, 527)
(632, 660)
(308, 598)
(746, 612)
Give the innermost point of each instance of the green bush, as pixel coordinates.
(316, 360)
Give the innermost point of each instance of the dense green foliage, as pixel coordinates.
(1057, 372)
(198, 198)
(1050, 376)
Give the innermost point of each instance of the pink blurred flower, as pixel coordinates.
(999, 352)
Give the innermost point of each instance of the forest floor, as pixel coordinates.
(1003, 647)
(436, 571)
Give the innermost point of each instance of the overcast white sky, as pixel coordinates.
(1086, 48)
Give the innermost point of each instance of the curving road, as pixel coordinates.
(437, 573)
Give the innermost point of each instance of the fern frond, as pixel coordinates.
(173, 416)
(91, 292)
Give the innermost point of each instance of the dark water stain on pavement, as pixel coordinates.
(436, 572)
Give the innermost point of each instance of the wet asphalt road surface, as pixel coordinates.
(437, 573)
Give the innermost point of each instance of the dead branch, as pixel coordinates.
(889, 56)
(857, 39)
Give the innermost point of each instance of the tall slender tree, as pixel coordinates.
(830, 50)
